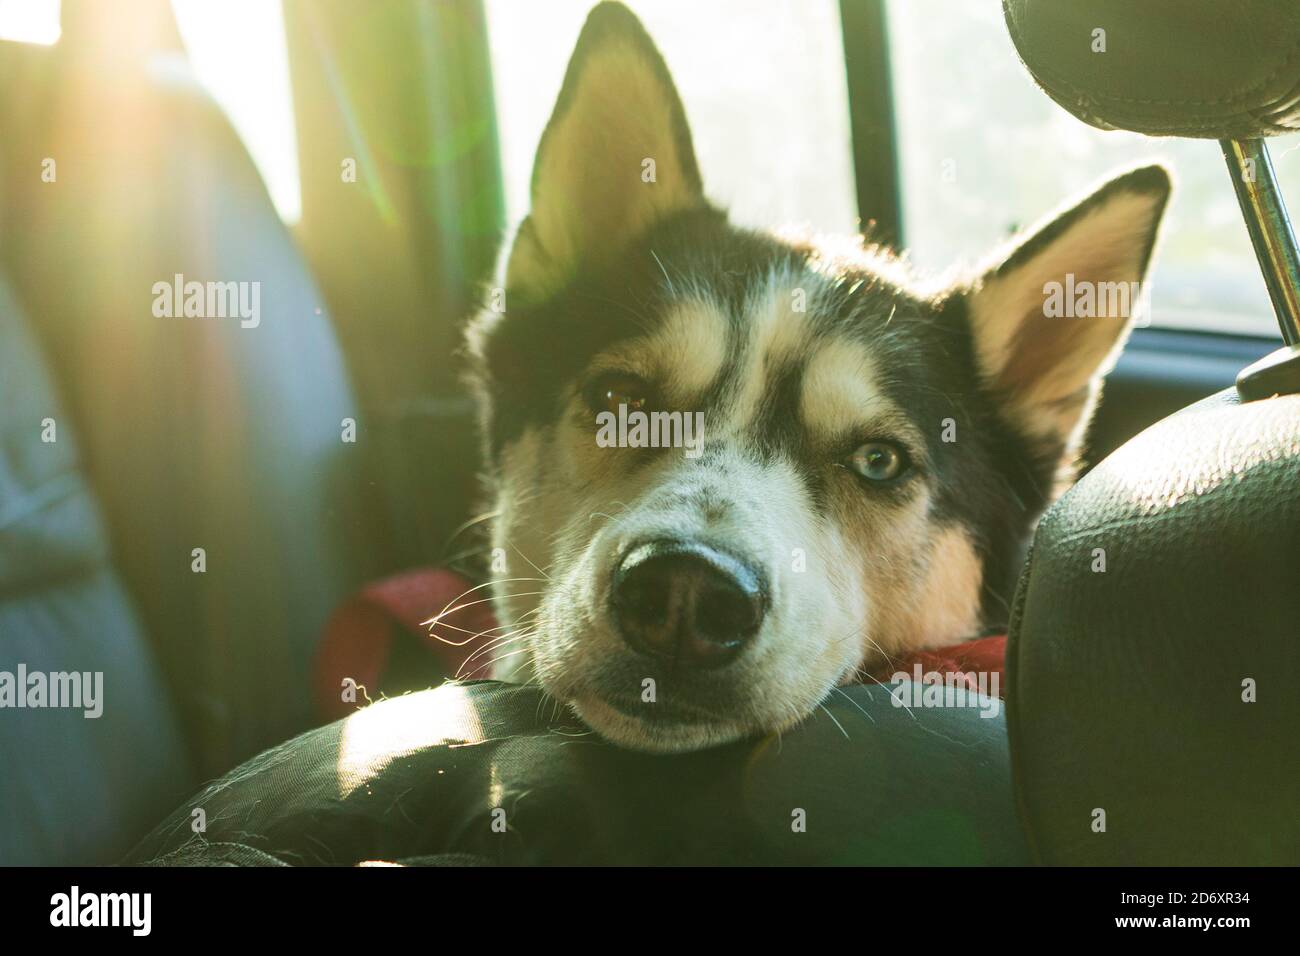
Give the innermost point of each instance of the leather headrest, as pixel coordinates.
(1201, 68)
(1154, 667)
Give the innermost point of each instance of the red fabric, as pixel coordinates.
(358, 638)
(985, 655)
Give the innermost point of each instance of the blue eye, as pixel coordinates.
(878, 461)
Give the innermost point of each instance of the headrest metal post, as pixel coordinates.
(1270, 228)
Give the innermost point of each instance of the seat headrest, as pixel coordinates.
(1153, 662)
(1200, 68)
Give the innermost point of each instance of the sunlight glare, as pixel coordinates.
(382, 732)
(237, 49)
(30, 21)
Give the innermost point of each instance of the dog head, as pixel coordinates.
(863, 456)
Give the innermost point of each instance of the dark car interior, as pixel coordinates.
(185, 504)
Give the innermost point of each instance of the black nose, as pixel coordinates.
(685, 601)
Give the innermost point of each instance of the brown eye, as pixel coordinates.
(608, 392)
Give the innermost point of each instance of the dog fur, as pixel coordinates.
(798, 351)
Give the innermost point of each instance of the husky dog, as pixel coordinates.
(874, 453)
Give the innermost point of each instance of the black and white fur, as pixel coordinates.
(612, 274)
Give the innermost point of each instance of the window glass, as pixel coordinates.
(251, 87)
(983, 151)
(29, 21)
(762, 81)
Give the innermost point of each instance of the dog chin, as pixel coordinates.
(654, 736)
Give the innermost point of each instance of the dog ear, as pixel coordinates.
(615, 157)
(1052, 316)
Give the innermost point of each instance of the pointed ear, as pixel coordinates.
(615, 157)
(1051, 317)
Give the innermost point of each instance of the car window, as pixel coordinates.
(762, 82)
(253, 88)
(29, 21)
(983, 151)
